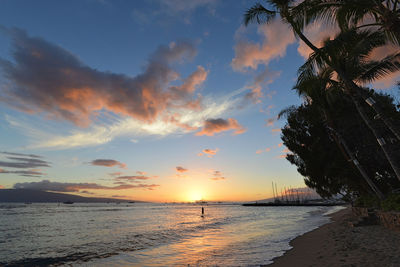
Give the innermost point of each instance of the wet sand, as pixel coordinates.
(340, 244)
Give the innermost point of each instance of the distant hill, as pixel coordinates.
(28, 195)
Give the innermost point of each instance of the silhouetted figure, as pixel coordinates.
(202, 211)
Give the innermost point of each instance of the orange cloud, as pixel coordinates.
(1, 187)
(277, 37)
(260, 151)
(108, 163)
(193, 81)
(316, 32)
(276, 130)
(209, 152)
(46, 78)
(213, 126)
(181, 169)
(261, 80)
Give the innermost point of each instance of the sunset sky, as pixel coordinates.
(160, 100)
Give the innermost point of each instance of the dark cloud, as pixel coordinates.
(20, 154)
(44, 77)
(29, 173)
(213, 126)
(46, 185)
(181, 169)
(121, 196)
(24, 163)
(133, 178)
(108, 163)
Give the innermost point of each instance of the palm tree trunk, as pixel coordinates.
(387, 121)
(381, 141)
(351, 156)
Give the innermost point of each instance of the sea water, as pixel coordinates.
(146, 234)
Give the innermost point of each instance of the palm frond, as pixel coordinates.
(287, 111)
(258, 13)
(376, 70)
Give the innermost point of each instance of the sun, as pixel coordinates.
(195, 196)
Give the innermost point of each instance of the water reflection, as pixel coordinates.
(149, 234)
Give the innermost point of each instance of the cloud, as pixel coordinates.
(276, 130)
(45, 78)
(87, 192)
(213, 126)
(181, 169)
(1, 187)
(209, 152)
(261, 80)
(108, 163)
(115, 174)
(172, 9)
(28, 173)
(316, 32)
(260, 151)
(277, 37)
(20, 154)
(21, 162)
(132, 178)
(102, 133)
(141, 173)
(46, 185)
(270, 121)
(217, 176)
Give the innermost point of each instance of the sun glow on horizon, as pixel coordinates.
(195, 195)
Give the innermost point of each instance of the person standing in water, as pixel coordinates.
(202, 211)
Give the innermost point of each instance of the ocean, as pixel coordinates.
(147, 234)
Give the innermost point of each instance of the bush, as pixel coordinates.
(367, 201)
(392, 202)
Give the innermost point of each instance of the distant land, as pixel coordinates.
(29, 195)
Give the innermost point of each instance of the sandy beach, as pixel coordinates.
(340, 244)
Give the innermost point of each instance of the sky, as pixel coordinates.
(159, 100)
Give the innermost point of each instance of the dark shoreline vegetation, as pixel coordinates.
(345, 137)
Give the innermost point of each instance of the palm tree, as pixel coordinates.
(317, 88)
(383, 15)
(348, 14)
(331, 57)
(349, 51)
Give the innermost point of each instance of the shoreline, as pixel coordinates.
(337, 243)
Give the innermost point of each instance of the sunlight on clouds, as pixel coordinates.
(128, 127)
